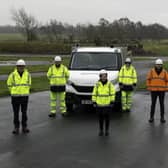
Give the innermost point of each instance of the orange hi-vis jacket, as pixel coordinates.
(157, 82)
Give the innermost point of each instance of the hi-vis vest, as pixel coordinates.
(58, 76)
(127, 76)
(19, 86)
(103, 95)
(157, 82)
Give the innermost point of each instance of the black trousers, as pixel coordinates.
(17, 103)
(154, 95)
(104, 117)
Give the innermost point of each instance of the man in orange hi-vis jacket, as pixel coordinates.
(157, 83)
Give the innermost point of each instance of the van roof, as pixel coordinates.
(97, 49)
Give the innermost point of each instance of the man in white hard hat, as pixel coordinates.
(19, 82)
(157, 84)
(103, 97)
(127, 82)
(58, 75)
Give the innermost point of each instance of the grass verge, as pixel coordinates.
(159, 47)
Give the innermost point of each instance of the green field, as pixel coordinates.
(32, 68)
(15, 43)
(11, 37)
(160, 48)
(26, 58)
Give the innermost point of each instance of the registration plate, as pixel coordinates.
(86, 102)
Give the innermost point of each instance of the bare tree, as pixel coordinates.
(27, 24)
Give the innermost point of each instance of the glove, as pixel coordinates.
(94, 104)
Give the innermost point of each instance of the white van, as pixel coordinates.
(84, 67)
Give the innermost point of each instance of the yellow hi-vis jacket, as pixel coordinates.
(103, 95)
(17, 85)
(58, 76)
(127, 76)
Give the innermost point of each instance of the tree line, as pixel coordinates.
(104, 32)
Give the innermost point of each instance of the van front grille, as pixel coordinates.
(83, 88)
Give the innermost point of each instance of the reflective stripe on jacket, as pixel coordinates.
(157, 82)
(19, 85)
(127, 76)
(103, 94)
(58, 76)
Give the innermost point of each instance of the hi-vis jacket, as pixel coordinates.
(58, 76)
(127, 76)
(103, 95)
(157, 82)
(17, 85)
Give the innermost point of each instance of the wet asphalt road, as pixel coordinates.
(73, 142)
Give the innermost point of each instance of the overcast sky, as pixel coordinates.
(88, 11)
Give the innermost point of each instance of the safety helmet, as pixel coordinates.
(20, 62)
(102, 71)
(128, 60)
(159, 62)
(57, 58)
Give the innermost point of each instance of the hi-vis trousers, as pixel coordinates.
(126, 100)
(56, 97)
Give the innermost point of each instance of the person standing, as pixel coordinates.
(19, 82)
(103, 97)
(157, 84)
(127, 82)
(58, 75)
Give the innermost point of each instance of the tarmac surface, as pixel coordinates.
(73, 142)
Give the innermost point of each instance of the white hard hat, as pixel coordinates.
(102, 71)
(21, 62)
(128, 60)
(159, 62)
(57, 58)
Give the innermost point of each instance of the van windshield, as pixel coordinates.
(94, 61)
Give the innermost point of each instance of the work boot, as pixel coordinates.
(52, 115)
(25, 130)
(15, 131)
(101, 133)
(162, 120)
(151, 120)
